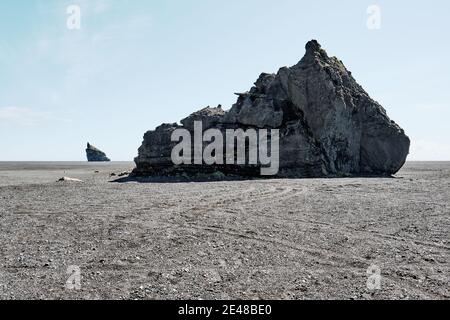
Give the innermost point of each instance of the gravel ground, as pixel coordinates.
(260, 239)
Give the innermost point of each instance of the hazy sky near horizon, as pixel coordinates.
(136, 64)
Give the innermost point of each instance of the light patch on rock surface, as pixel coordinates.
(67, 179)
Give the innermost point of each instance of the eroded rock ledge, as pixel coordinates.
(329, 126)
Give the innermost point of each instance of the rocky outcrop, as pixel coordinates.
(329, 126)
(95, 155)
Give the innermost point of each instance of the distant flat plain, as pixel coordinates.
(257, 239)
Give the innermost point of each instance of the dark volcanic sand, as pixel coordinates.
(274, 239)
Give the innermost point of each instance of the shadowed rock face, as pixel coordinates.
(329, 126)
(95, 155)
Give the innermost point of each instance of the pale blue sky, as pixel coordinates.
(136, 64)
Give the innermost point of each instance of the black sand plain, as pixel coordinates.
(256, 239)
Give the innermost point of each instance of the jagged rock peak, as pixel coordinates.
(313, 46)
(329, 125)
(95, 155)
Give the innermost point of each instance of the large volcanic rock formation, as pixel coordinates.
(329, 126)
(95, 155)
